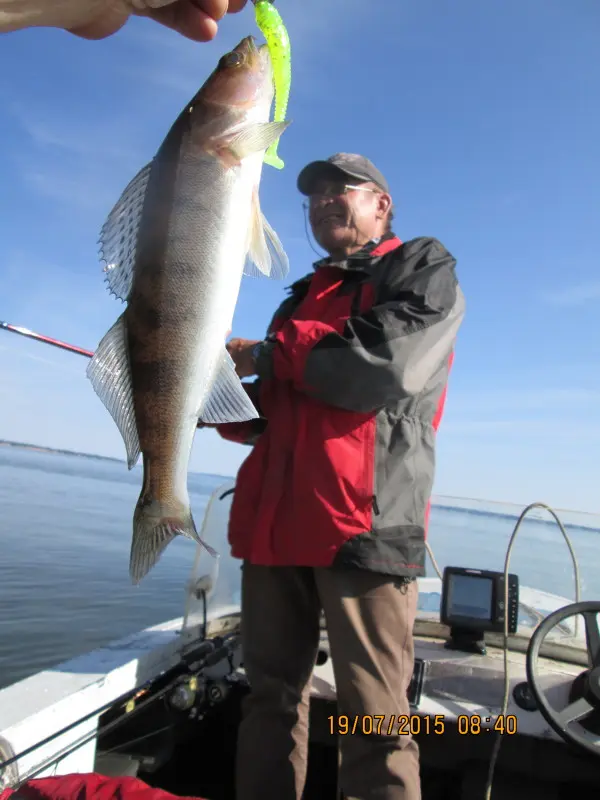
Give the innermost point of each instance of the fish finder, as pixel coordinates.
(473, 603)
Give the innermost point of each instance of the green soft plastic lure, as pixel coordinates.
(272, 28)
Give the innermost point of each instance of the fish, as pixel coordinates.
(270, 23)
(176, 245)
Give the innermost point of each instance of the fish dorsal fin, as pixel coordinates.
(110, 374)
(266, 256)
(118, 237)
(228, 401)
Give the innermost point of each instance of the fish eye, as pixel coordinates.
(232, 59)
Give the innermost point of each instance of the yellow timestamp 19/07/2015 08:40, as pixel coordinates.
(416, 724)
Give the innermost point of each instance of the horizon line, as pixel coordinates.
(63, 451)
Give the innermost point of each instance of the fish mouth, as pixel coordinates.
(257, 56)
(247, 44)
(264, 56)
(247, 49)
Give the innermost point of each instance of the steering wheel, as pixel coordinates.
(567, 722)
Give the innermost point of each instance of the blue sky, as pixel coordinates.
(483, 116)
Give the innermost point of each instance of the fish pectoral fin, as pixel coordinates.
(118, 237)
(228, 400)
(154, 526)
(255, 137)
(266, 256)
(110, 374)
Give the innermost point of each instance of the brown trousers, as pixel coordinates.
(370, 619)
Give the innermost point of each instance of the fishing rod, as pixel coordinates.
(46, 339)
(38, 337)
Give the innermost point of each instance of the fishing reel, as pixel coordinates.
(196, 696)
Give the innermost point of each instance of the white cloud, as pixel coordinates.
(543, 399)
(74, 135)
(575, 295)
(551, 428)
(531, 415)
(57, 300)
(81, 190)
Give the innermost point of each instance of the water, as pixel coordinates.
(65, 534)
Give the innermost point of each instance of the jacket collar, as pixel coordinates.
(362, 259)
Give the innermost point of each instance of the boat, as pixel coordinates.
(504, 697)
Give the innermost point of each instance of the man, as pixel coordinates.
(331, 506)
(97, 19)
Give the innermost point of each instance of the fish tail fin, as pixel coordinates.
(155, 525)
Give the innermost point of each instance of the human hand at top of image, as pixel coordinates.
(97, 19)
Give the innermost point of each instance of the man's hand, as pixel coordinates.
(240, 351)
(194, 19)
(97, 19)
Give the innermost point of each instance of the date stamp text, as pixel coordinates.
(419, 724)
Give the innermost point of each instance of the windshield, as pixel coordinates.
(466, 533)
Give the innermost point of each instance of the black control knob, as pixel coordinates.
(523, 697)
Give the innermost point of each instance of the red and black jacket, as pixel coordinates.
(351, 388)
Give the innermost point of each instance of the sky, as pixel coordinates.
(485, 119)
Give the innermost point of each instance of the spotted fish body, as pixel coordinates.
(176, 245)
(272, 28)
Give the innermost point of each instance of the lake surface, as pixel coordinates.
(65, 535)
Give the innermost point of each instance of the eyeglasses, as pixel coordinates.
(337, 189)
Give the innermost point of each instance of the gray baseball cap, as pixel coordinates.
(351, 164)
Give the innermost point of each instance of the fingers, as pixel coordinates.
(105, 24)
(235, 6)
(195, 19)
(218, 8)
(234, 346)
(187, 19)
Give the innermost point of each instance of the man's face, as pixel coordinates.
(345, 213)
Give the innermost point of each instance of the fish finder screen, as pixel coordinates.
(470, 596)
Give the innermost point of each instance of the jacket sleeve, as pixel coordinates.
(245, 432)
(386, 354)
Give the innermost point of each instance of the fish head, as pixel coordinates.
(243, 78)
